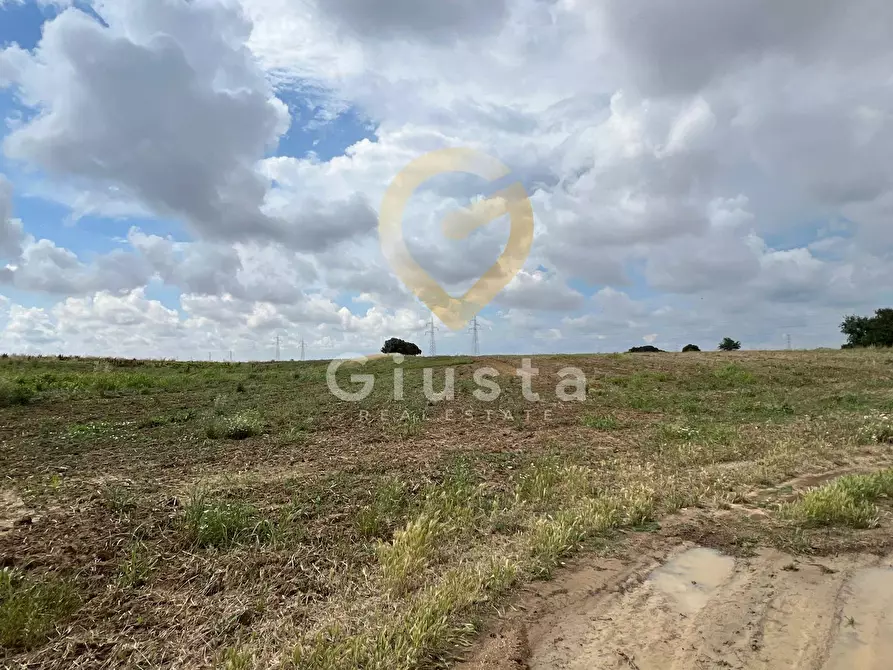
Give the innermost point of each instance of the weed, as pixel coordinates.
(239, 426)
(119, 499)
(30, 609)
(136, 569)
(877, 428)
(15, 393)
(605, 422)
(86, 431)
(403, 560)
(847, 501)
(236, 659)
(223, 524)
(377, 519)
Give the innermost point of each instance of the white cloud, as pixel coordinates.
(701, 167)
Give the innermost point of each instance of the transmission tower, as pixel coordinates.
(302, 348)
(788, 336)
(432, 347)
(277, 348)
(475, 338)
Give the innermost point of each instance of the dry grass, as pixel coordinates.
(237, 516)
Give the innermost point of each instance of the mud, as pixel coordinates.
(692, 607)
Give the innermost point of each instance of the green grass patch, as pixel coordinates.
(15, 393)
(31, 609)
(847, 501)
(223, 524)
(238, 426)
(603, 422)
(86, 431)
(387, 508)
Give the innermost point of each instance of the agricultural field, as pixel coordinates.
(212, 515)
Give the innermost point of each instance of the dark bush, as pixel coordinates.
(398, 346)
(647, 349)
(690, 347)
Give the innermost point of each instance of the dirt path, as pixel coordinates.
(697, 608)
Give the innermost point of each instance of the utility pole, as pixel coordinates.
(277, 348)
(432, 348)
(302, 348)
(475, 338)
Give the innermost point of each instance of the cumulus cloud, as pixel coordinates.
(427, 19)
(701, 167)
(540, 290)
(165, 108)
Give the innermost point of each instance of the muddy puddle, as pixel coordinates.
(689, 580)
(697, 608)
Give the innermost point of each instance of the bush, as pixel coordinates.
(15, 393)
(398, 346)
(728, 344)
(647, 349)
(690, 347)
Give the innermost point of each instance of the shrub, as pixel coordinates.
(398, 346)
(690, 347)
(647, 349)
(728, 344)
(15, 393)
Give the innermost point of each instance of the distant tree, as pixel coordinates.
(647, 349)
(690, 347)
(728, 344)
(869, 331)
(397, 346)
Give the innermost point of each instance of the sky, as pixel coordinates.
(189, 178)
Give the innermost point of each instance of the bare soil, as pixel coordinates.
(655, 603)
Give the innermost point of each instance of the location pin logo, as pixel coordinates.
(456, 312)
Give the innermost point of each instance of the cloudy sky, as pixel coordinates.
(182, 177)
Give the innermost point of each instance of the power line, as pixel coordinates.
(475, 338)
(432, 348)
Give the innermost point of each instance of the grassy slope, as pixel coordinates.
(237, 515)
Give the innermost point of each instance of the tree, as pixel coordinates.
(869, 331)
(647, 349)
(728, 344)
(397, 346)
(690, 347)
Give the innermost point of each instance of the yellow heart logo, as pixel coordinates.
(456, 312)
